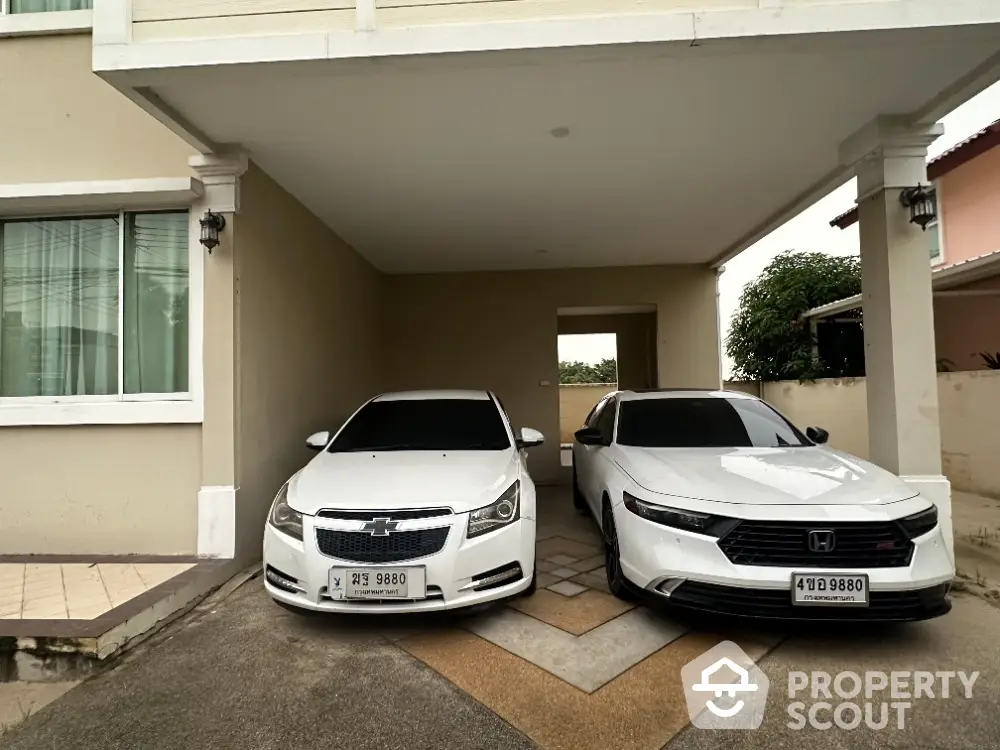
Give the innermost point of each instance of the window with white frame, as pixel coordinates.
(43, 6)
(95, 308)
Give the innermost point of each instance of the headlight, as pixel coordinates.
(283, 518)
(920, 523)
(688, 520)
(505, 510)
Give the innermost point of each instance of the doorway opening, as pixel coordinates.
(601, 350)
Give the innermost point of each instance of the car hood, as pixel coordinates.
(763, 476)
(460, 480)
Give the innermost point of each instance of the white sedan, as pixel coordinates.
(713, 501)
(421, 501)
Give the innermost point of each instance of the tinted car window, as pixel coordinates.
(424, 425)
(595, 413)
(704, 423)
(606, 423)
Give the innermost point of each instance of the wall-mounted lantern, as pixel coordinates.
(921, 203)
(211, 225)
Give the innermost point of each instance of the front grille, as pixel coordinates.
(880, 544)
(777, 604)
(359, 546)
(395, 515)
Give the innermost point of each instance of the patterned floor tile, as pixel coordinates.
(559, 545)
(575, 615)
(567, 588)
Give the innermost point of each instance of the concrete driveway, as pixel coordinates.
(570, 668)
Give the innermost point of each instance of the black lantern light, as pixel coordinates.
(922, 206)
(211, 225)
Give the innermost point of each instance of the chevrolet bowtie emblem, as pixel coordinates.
(380, 526)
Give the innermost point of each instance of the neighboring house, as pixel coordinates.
(415, 194)
(964, 248)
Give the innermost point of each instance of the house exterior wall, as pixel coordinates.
(970, 195)
(964, 326)
(308, 349)
(89, 489)
(969, 404)
(500, 330)
(635, 343)
(575, 403)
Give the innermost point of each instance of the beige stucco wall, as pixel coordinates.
(969, 413)
(308, 341)
(499, 331)
(575, 403)
(88, 489)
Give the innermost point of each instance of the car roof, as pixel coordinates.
(645, 394)
(435, 395)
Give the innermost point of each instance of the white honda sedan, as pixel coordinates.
(713, 501)
(421, 501)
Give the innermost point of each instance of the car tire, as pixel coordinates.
(578, 500)
(618, 584)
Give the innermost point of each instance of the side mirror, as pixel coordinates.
(817, 434)
(530, 438)
(589, 436)
(318, 440)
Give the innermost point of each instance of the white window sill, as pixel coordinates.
(53, 22)
(113, 412)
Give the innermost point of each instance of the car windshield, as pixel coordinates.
(424, 425)
(704, 422)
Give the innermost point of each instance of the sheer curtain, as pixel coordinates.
(59, 299)
(42, 6)
(156, 303)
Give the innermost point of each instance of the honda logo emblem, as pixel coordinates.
(380, 526)
(822, 540)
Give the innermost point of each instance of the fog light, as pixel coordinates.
(493, 578)
(669, 585)
(282, 581)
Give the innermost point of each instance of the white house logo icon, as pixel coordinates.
(725, 689)
(720, 689)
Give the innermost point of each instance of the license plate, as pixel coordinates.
(830, 589)
(378, 583)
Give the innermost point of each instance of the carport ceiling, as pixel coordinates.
(674, 153)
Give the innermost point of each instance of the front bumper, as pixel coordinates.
(691, 571)
(449, 572)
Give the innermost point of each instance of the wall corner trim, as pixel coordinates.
(217, 521)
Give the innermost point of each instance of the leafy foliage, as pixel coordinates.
(606, 371)
(992, 361)
(768, 340)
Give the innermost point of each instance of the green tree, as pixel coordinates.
(767, 339)
(581, 372)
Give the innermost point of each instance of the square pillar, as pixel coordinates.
(901, 373)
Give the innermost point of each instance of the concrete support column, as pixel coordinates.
(220, 175)
(903, 426)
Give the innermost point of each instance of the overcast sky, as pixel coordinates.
(810, 230)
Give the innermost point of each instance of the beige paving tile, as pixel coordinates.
(122, 582)
(575, 615)
(558, 545)
(545, 566)
(561, 560)
(595, 580)
(55, 613)
(11, 592)
(545, 579)
(640, 710)
(10, 612)
(591, 563)
(153, 574)
(18, 700)
(11, 572)
(564, 572)
(87, 612)
(567, 588)
(48, 600)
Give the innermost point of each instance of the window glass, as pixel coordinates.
(606, 422)
(424, 425)
(44, 6)
(705, 422)
(156, 303)
(595, 413)
(59, 301)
